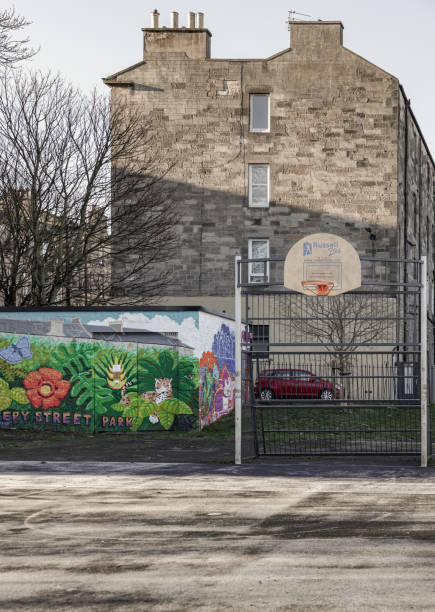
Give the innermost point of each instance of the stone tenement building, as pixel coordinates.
(314, 138)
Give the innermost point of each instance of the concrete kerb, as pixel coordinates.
(330, 469)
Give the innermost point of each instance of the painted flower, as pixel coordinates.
(45, 387)
(154, 419)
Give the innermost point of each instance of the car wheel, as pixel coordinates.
(326, 394)
(266, 394)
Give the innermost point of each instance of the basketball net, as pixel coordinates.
(318, 287)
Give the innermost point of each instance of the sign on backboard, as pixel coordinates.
(322, 264)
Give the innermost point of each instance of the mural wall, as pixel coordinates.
(67, 384)
(217, 377)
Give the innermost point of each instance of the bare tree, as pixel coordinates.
(85, 214)
(12, 49)
(341, 324)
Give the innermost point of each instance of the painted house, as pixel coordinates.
(116, 369)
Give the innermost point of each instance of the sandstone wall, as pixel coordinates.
(332, 150)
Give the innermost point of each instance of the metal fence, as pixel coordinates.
(332, 375)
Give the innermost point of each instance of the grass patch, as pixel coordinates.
(335, 422)
(220, 429)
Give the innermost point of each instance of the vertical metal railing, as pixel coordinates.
(238, 398)
(384, 407)
(425, 429)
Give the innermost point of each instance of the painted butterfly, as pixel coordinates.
(17, 352)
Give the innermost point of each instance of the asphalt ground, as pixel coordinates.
(161, 447)
(300, 535)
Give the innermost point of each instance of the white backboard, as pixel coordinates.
(322, 264)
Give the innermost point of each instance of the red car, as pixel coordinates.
(295, 384)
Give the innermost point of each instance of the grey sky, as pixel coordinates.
(89, 39)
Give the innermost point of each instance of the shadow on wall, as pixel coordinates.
(215, 226)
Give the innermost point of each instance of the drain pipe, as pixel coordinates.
(405, 182)
(405, 223)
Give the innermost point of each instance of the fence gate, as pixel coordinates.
(337, 375)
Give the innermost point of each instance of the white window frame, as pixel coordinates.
(251, 203)
(251, 114)
(258, 278)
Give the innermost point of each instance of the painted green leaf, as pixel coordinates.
(103, 397)
(3, 385)
(166, 418)
(166, 361)
(149, 367)
(175, 406)
(91, 391)
(185, 368)
(18, 394)
(5, 400)
(145, 407)
(183, 391)
(73, 358)
(100, 408)
(118, 407)
(82, 388)
(138, 410)
(6, 370)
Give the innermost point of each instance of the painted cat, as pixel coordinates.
(163, 390)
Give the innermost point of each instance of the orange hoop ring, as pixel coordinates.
(320, 287)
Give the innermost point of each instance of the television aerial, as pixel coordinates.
(295, 16)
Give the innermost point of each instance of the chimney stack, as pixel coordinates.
(192, 41)
(174, 19)
(316, 38)
(117, 326)
(56, 327)
(191, 20)
(78, 321)
(155, 18)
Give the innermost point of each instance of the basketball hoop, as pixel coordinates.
(318, 287)
(322, 264)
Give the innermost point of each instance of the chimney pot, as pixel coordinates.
(200, 20)
(174, 19)
(190, 20)
(155, 18)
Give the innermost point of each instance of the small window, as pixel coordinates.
(258, 270)
(260, 340)
(258, 185)
(259, 113)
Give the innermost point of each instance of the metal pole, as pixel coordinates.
(423, 365)
(238, 406)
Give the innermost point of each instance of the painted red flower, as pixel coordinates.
(45, 387)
